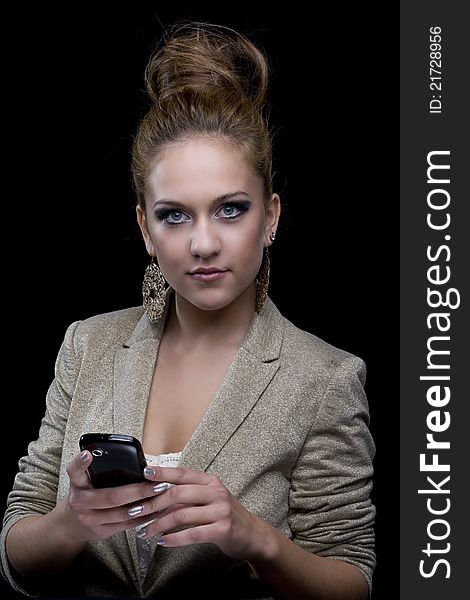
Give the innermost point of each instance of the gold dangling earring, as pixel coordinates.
(153, 291)
(262, 282)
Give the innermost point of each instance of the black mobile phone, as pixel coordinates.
(118, 459)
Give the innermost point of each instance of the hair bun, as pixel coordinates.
(205, 80)
(204, 61)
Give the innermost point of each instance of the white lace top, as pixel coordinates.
(146, 547)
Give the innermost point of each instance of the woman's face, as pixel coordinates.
(206, 222)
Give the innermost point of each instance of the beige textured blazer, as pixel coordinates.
(287, 433)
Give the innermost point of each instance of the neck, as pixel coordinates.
(193, 326)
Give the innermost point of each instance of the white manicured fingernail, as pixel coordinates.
(161, 487)
(135, 510)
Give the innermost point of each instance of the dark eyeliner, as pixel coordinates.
(240, 205)
(164, 213)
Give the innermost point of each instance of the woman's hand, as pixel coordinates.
(203, 511)
(92, 514)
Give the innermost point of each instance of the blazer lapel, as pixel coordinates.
(241, 388)
(133, 370)
(134, 364)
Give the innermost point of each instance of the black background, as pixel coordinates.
(74, 94)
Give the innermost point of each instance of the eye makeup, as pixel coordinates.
(227, 211)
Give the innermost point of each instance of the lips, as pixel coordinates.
(208, 273)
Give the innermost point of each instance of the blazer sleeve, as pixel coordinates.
(331, 513)
(35, 486)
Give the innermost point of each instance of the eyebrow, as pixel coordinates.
(220, 199)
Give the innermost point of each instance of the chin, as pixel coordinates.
(211, 306)
(210, 301)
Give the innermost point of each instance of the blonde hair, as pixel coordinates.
(205, 81)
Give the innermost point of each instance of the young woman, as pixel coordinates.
(256, 433)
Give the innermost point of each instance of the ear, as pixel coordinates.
(273, 211)
(142, 221)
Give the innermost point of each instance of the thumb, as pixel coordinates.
(77, 470)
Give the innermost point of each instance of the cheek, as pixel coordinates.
(169, 246)
(250, 237)
(245, 245)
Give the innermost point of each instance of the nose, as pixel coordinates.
(204, 240)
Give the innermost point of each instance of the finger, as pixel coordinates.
(105, 529)
(183, 494)
(203, 534)
(184, 517)
(131, 515)
(120, 496)
(168, 501)
(77, 470)
(169, 510)
(124, 517)
(177, 475)
(112, 501)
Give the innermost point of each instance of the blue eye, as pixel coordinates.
(170, 216)
(229, 210)
(175, 216)
(232, 210)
